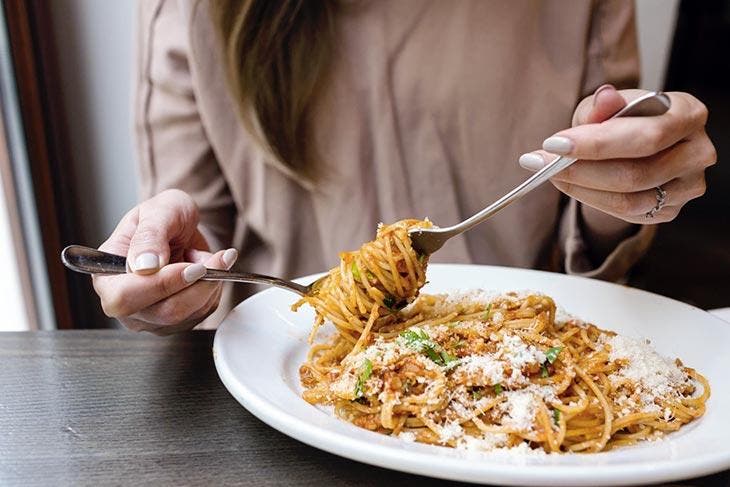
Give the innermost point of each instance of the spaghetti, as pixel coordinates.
(371, 284)
(483, 372)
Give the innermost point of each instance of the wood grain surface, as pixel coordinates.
(109, 407)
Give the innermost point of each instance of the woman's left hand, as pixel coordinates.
(623, 160)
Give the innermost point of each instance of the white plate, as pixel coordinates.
(261, 344)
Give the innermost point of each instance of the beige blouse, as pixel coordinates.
(427, 109)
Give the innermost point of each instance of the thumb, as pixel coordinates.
(602, 105)
(164, 219)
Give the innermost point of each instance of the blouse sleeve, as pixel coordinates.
(612, 57)
(172, 146)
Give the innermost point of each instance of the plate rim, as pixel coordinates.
(453, 468)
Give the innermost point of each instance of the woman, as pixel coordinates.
(288, 130)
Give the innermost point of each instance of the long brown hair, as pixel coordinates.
(276, 53)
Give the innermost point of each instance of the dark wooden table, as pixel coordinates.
(112, 407)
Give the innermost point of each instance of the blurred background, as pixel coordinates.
(67, 158)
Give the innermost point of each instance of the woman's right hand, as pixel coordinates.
(167, 255)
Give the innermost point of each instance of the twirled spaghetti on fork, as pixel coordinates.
(471, 370)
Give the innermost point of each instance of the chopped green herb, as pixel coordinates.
(447, 357)
(476, 394)
(544, 373)
(355, 271)
(421, 258)
(552, 354)
(433, 355)
(370, 275)
(419, 341)
(498, 389)
(366, 371)
(415, 338)
(556, 417)
(488, 312)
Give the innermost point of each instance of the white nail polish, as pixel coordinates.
(558, 145)
(229, 257)
(193, 272)
(532, 162)
(146, 262)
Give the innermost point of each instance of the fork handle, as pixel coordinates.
(92, 261)
(252, 278)
(650, 104)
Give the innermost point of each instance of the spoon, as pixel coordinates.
(92, 261)
(429, 240)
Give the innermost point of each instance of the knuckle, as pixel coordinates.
(622, 203)
(171, 312)
(130, 216)
(670, 214)
(134, 325)
(146, 235)
(204, 313)
(154, 329)
(163, 331)
(171, 208)
(700, 187)
(200, 315)
(654, 137)
(180, 203)
(699, 113)
(114, 304)
(711, 154)
(209, 307)
(174, 194)
(597, 146)
(631, 176)
(180, 327)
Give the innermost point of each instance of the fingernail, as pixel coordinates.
(558, 145)
(531, 161)
(193, 272)
(601, 89)
(146, 262)
(229, 257)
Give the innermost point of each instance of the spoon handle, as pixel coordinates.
(92, 261)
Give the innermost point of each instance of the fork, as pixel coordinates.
(92, 261)
(429, 240)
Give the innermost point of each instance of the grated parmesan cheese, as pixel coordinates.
(519, 354)
(487, 442)
(450, 431)
(493, 443)
(485, 368)
(519, 408)
(642, 380)
(656, 376)
(408, 436)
